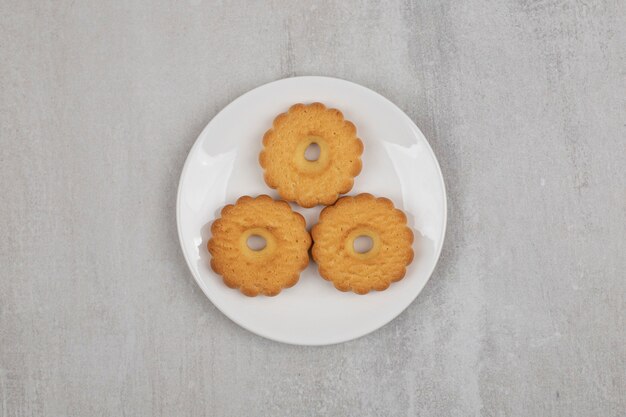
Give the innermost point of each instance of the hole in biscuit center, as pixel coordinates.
(256, 242)
(312, 152)
(363, 244)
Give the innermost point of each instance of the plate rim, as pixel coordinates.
(197, 142)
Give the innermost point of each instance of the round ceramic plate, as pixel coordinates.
(398, 163)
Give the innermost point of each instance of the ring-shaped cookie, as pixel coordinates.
(303, 181)
(270, 269)
(364, 215)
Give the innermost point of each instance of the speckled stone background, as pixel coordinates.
(524, 103)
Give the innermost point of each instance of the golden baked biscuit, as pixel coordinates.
(298, 179)
(274, 267)
(363, 215)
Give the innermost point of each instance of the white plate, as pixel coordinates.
(398, 163)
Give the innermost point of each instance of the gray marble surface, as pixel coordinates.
(524, 105)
